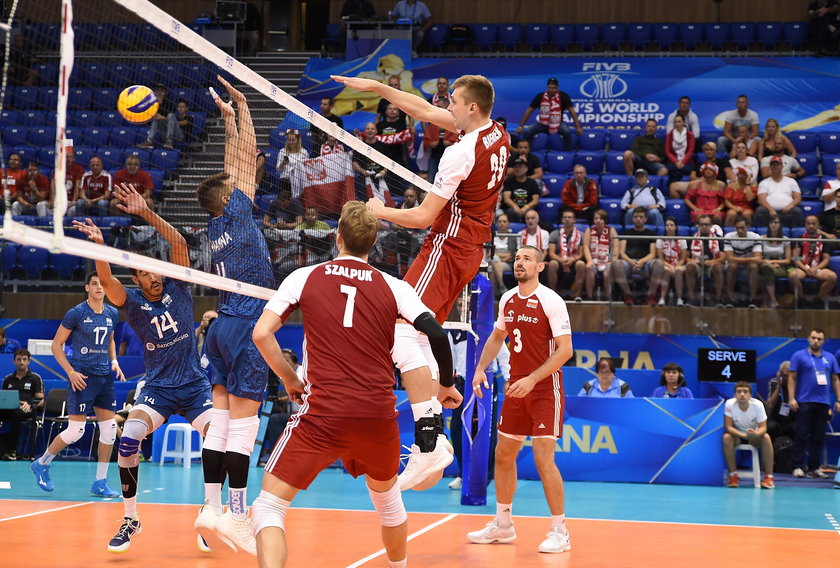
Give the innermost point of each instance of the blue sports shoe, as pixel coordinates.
(100, 489)
(42, 475)
(122, 540)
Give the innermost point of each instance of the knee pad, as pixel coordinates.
(108, 432)
(217, 432)
(241, 435)
(133, 433)
(406, 352)
(389, 505)
(269, 510)
(73, 433)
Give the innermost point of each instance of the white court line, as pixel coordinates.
(424, 530)
(48, 511)
(5, 484)
(833, 522)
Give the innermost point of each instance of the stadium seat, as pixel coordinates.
(769, 34)
(166, 160)
(96, 136)
(562, 35)
(656, 181)
(795, 34)
(26, 98)
(539, 143)
(615, 162)
(615, 185)
(811, 207)
(112, 158)
(10, 258)
(834, 264)
(593, 161)
(199, 124)
(742, 35)
(829, 142)
(615, 216)
(621, 140)
(679, 210)
(106, 100)
(83, 154)
(554, 183)
(184, 93)
(536, 36)
(613, 36)
(829, 164)
(121, 75)
(510, 36)
(9, 117)
(435, 37)
(485, 36)
(143, 155)
(79, 98)
(42, 136)
(47, 72)
(83, 118)
(277, 138)
(664, 36)
(559, 162)
(690, 35)
(810, 185)
(123, 136)
(46, 157)
(593, 140)
(157, 179)
(809, 162)
(555, 142)
(203, 102)
(717, 35)
(15, 135)
(93, 74)
(804, 141)
(586, 36)
(33, 261)
(640, 34)
(66, 266)
(27, 153)
(549, 210)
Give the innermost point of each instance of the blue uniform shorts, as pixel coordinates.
(190, 400)
(237, 364)
(98, 393)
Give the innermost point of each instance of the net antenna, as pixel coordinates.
(6, 30)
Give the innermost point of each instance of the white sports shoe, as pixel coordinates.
(207, 525)
(442, 439)
(557, 541)
(456, 483)
(493, 533)
(240, 533)
(422, 465)
(798, 472)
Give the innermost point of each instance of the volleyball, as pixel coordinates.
(137, 104)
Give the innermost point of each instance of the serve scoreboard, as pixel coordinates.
(730, 365)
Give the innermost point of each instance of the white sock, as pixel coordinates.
(130, 506)
(236, 503)
(421, 410)
(101, 470)
(46, 459)
(213, 496)
(504, 514)
(558, 521)
(398, 563)
(437, 407)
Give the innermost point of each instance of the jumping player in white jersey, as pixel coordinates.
(346, 393)
(536, 321)
(90, 327)
(459, 209)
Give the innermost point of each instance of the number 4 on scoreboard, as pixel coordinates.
(726, 372)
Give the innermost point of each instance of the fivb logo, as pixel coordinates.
(606, 81)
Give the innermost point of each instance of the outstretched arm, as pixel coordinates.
(114, 289)
(245, 148)
(231, 132)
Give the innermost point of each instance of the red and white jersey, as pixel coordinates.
(348, 310)
(470, 175)
(532, 323)
(95, 186)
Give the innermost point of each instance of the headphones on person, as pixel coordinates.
(672, 367)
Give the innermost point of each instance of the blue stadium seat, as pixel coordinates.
(562, 35)
(121, 76)
(549, 210)
(42, 136)
(10, 257)
(183, 93)
(809, 162)
(769, 34)
(49, 99)
(14, 135)
(47, 72)
(277, 138)
(66, 266)
(26, 98)
(640, 34)
(111, 118)
(143, 155)
(536, 36)
(435, 37)
(586, 36)
(203, 102)
(554, 183)
(804, 141)
(829, 164)
(124, 136)
(742, 35)
(691, 35)
(664, 35)
(593, 140)
(485, 36)
(198, 76)
(84, 154)
(46, 157)
(657, 181)
(112, 158)
(510, 36)
(615, 215)
(615, 162)
(79, 98)
(811, 207)
(717, 35)
(199, 124)
(795, 34)
(615, 185)
(157, 179)
(613, 35)
(27, 153)
(555, 142)
(829, 142)
(93, 74)
(82, 118)
(593, 161)
(166, 160)
(9, 117)
(621, 140)
(810, 185)
(679, 210)
(96, 136)
(834, 264)
(559, 162)
(33, 261)
(539, 143)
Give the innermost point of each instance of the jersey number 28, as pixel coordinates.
(498, 167)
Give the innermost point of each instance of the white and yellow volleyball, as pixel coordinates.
(137, 104)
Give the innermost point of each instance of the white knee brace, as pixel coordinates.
(242, 433)
(269, 510)
(217, 433)
(108, 432)
(74, 432)
(390, 506)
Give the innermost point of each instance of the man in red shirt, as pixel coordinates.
(536, 321)
(12, 177)
(140, 179)
(32, 194)
(94, 190)
(580, 194)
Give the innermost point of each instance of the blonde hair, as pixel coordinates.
(357, 227)
(477, 89)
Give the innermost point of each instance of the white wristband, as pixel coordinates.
(114, 362)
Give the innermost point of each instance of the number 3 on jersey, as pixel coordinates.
(498, 167)
(517, 340)
(163, 323)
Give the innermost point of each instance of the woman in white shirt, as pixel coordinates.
(743, 160)
(290, 161)
(775, 250)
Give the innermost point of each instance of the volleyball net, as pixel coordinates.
(65, 65)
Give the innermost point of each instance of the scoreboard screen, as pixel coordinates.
(731, 365)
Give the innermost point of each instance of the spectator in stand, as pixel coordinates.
(740, 159)
(780, 420)
(34, 193)
(315, 238)
(743, 256)
(504, 247)
(523, 151)
(742, 134)
(442, 92)
(706, 195)
(830, 219)
(767, 146)
(599, 244)
(811, 261)
(290, 159)
(646, 196)
(790, 165)
(533, 234)
(161, 120)
(436, 140)
(647, 152)
(672, 253)
(672, 383)
(13, 175)
(395, 82)
(94, 191)
(22, 62)
(551, 103)
(830, 188)
(179, 128)
(813, 374)
(606, 384)
(520, 193)
(72, 181)
(283, 214)
(680, 188)
(318, 135)
(739, 197)
(566, 257)
(371, 171)
(705, 259)
(638, 256)
(692, 122)
(745, 422)
(514, 140)
(679, 149)
(580, 194)
(30, 389)
(421, 19)
(201, 330)
(823, 28)
(134, 176)
(396, 137)
(7, 344)
(732, 119)
(775, 251)
(780, 195)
